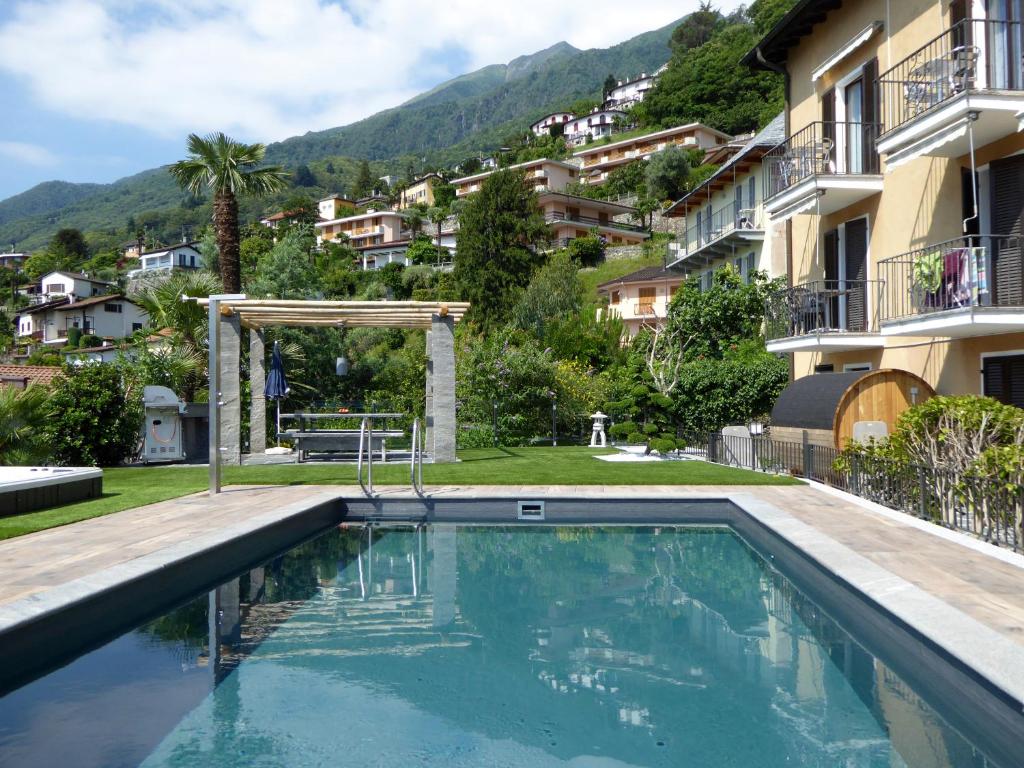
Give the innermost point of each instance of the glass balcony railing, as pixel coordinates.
(721, 223)
(823, 306)
(821, 149)
(589, 221)
(964, 273)
(972, 54)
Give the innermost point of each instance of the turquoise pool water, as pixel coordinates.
(487, 646)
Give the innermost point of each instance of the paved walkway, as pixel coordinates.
(951, 567)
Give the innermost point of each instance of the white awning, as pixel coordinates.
(858, 40)
(799, 206)
(927, 145)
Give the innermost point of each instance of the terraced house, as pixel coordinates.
(597, 162)
(901, 182)
(568, 216)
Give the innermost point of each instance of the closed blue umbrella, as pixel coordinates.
(277, 385)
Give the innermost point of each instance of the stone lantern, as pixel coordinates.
(597, 437)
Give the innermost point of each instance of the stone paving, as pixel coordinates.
(985, 583)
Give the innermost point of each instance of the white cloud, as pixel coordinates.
(29, 154)
(268, 69)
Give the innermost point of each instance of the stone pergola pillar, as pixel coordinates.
(441, 375)
(428, 409)
(230, 389)
(258, 401)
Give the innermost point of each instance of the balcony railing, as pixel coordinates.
(720, 223)
(968, 272)
(820, 149)
(644, 309)
(589, 221)
(822, 306)
(972, 54)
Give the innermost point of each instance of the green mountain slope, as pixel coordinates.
(468, 113)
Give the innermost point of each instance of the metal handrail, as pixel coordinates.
(416, 457)
(365, 440)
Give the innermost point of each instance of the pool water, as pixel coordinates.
(487, 646)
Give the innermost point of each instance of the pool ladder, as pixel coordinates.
(366, 448)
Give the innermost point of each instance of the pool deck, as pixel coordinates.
(41, 571)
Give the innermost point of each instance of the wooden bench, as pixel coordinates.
(338, 441)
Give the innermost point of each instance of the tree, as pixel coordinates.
(645, 208)
(765, 14)
(303, 177)
(95, 418)
(500, 227)
(414, 219)
(69, 244)
(23, 412)
(697, 28)
(667, 174)
(554, 291)
(286, 272)
(609, 85)
(437, 216)
(229, 168)
(363, 185)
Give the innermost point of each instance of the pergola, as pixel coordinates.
(230, 313)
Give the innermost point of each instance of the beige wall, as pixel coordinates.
(921, 201)
(627, 308)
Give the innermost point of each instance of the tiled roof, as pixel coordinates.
(190, 244)
(74, 305)
(46, 305)
(645, 275)
(38, 374)
(80, 276)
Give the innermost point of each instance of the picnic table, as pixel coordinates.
(311, 437)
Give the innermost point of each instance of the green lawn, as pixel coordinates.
(125, 488)
(613, 268)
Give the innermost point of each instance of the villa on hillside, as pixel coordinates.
(569, 216)
(597, 162)
(419, 192)
(175, 257)
(12, 260)
(630, 92)
(371, 228)
(725, 218)
(901, 185)
(543, 126)
(640, 299)
(334, 207)
(597, 125)
(110, 316)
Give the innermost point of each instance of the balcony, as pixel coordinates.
(557, 217)
(969, 79)
(718, 236)
(970, 286)
(822, 169)
(824, 316)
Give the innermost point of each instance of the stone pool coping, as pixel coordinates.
(238, 538)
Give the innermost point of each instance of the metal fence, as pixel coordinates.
(979, 505)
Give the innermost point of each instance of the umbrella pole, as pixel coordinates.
(278, 435)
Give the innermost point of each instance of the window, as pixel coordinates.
(55, 288)
(616, 297)
(1003, 378)
(752, 191)
(851, 367)
(751, 266)
(824, 368)
(136, 327)
(113, 308)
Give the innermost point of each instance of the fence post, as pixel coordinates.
(808, 457)
(920, 493)
(855, 474)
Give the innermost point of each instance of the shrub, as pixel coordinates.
(22, 412)
(90, 340)
(74, 337)
(94, 420)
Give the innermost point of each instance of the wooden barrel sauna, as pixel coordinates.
(825, 406)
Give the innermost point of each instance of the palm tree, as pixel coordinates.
(437, 215)
(227, 167)
(22, 412)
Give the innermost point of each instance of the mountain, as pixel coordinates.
(469, 113)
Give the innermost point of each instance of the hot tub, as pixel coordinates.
(26, 489)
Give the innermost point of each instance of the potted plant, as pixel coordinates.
(927, 279)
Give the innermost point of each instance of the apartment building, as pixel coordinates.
(543, 126)
(629, 92)
(597, 125)
(334, 207)
(901, 183)
(420, 191)
(598, 162)
(370, 228)
(640, 299)
(725, 218)
(569, 216)
(542, 175)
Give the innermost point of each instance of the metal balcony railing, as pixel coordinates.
(720, 223)
(823, 306)
(967, 272)
(589, 221)
(972, 54)
(821, 149)
(644, 309)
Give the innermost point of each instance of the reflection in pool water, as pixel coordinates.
(481, 645)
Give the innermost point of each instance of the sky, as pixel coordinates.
(94, 90)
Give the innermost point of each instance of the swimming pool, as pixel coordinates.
(488, 645)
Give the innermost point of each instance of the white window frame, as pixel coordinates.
(841, 235)
(852, 367)
(981, 364)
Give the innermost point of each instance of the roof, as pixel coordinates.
(810, 402)
(516, 167)
(35, 374)
(79, 276)
(538, 121)
(646, 275)
(768, 137)
(337, 197)
(358, 216)
(592, 202)
(392, 245)
(190, 244)
(788, 31)
(161, 335)
(664, 132)
(44, 306)
(101, 348)
(72, 306)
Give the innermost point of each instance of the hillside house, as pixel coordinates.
(640, 299)
(543, 126)
(362, 229)
(334, 207)
(175, 257)
(597, 125)
(111, 316)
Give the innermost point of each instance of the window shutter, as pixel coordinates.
(872, 109)
(856, 270)
(828, 114)
(1003, 379)
(1007, 179)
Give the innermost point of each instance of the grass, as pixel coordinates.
(125, 488)
(613, 268)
